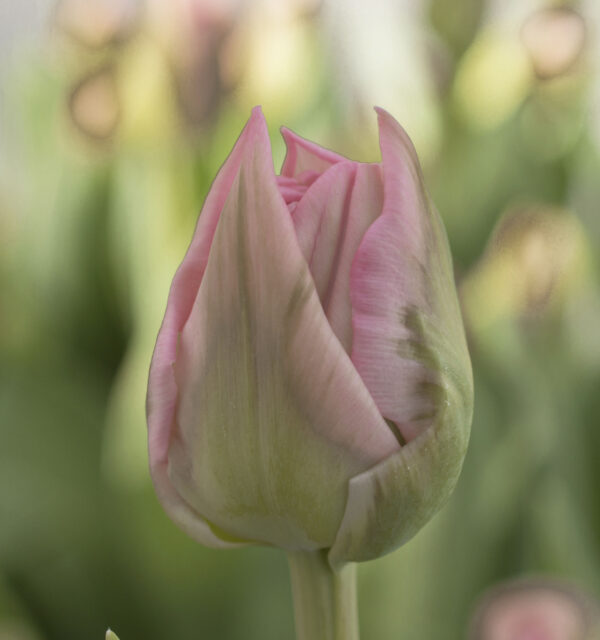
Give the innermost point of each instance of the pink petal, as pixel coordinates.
(290, 190)
(162, 390)
(303, 155)
(403, 296)
(331, 220)
(409, 348)
(272, 418)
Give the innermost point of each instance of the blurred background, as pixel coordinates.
(115, 116)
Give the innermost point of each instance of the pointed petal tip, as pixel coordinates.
(256, 119)
(255, 137)
(385, 117)
(291, 137)
(389, 127)
(257, 112)
(304, 155)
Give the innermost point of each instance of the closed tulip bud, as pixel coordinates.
(311, 387)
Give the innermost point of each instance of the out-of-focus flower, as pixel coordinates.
(534, 255)
(111, 635)
(311, 386)
(193, 35)
(94, 105)
(536, 610)
(523, 47)
(554, 39)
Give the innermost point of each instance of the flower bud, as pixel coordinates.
(311, 386)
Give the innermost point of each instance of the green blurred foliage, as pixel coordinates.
(112, 132)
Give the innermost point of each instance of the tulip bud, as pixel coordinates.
(311, 386)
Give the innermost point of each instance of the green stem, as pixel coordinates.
(325, 605)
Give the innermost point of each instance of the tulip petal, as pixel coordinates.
(390, 503)
(331, 220)
(407, 325)
(162, 390)
(267, 395)
(410, 350)
(303, 155)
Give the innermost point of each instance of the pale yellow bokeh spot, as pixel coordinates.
(493, 78)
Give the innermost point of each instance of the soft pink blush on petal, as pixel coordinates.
(331, 220)
(305, 156)
(292, 189)
(387, 283)
(162, 390)
(259, 364)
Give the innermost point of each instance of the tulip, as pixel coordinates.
(311, 388)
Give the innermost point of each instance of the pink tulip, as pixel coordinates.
(311, 386)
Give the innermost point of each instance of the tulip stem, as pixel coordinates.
(325, 605)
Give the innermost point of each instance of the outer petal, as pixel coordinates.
(410, 350)
(331, 220)
(162, 390)
(407, 321)
(272, 418)
(303, 155)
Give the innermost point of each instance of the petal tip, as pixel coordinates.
(302, 155)
(390, 127)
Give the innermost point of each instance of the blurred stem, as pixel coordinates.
(325, 606)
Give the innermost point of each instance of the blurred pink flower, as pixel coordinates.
(536, 610)
(311, 386)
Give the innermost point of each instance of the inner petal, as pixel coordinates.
(292, 189)
(304, 155)
(331, 218)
